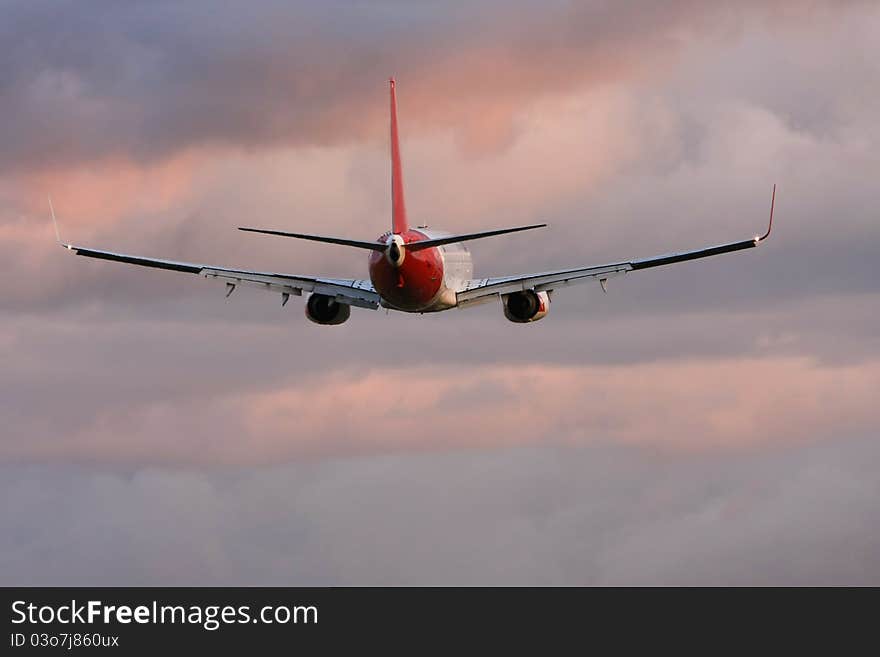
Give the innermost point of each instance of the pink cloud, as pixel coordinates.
(717, 404)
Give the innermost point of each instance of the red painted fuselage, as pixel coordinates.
(413, 284)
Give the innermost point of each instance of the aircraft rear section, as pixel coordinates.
(424, 280)
(415, 282)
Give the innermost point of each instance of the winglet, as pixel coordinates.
(761, 238)
(55, 223)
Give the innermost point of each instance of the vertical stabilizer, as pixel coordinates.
(398, 207)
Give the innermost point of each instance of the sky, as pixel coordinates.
(712, 422)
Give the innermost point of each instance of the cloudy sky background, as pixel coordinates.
(711, 422)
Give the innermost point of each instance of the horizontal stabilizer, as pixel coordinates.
(359, 244)
(452, 239)
(379, 246)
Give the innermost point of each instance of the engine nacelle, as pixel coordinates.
(323, 309)
(526, 306)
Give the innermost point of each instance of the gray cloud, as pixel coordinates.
(111, 379)
(70, 371)
(146, 82)
(591, 516)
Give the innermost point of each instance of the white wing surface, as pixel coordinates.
(348, 291)
(484, 289)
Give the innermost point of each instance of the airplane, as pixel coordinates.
(415, 270)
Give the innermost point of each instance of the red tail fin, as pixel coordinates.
(398, 207)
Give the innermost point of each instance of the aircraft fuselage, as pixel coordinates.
(422, 281)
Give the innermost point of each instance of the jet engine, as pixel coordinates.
(323, 309)
(526, 306)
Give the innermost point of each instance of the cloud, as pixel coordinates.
(220, 406)
(720, 412)
(213, 373)
(148, 82)
(552, 516)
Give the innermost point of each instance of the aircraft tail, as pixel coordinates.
(398, 207)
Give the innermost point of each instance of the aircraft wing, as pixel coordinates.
(481, 290)
(348, 291)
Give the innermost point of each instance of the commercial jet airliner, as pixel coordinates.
(416, 270)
